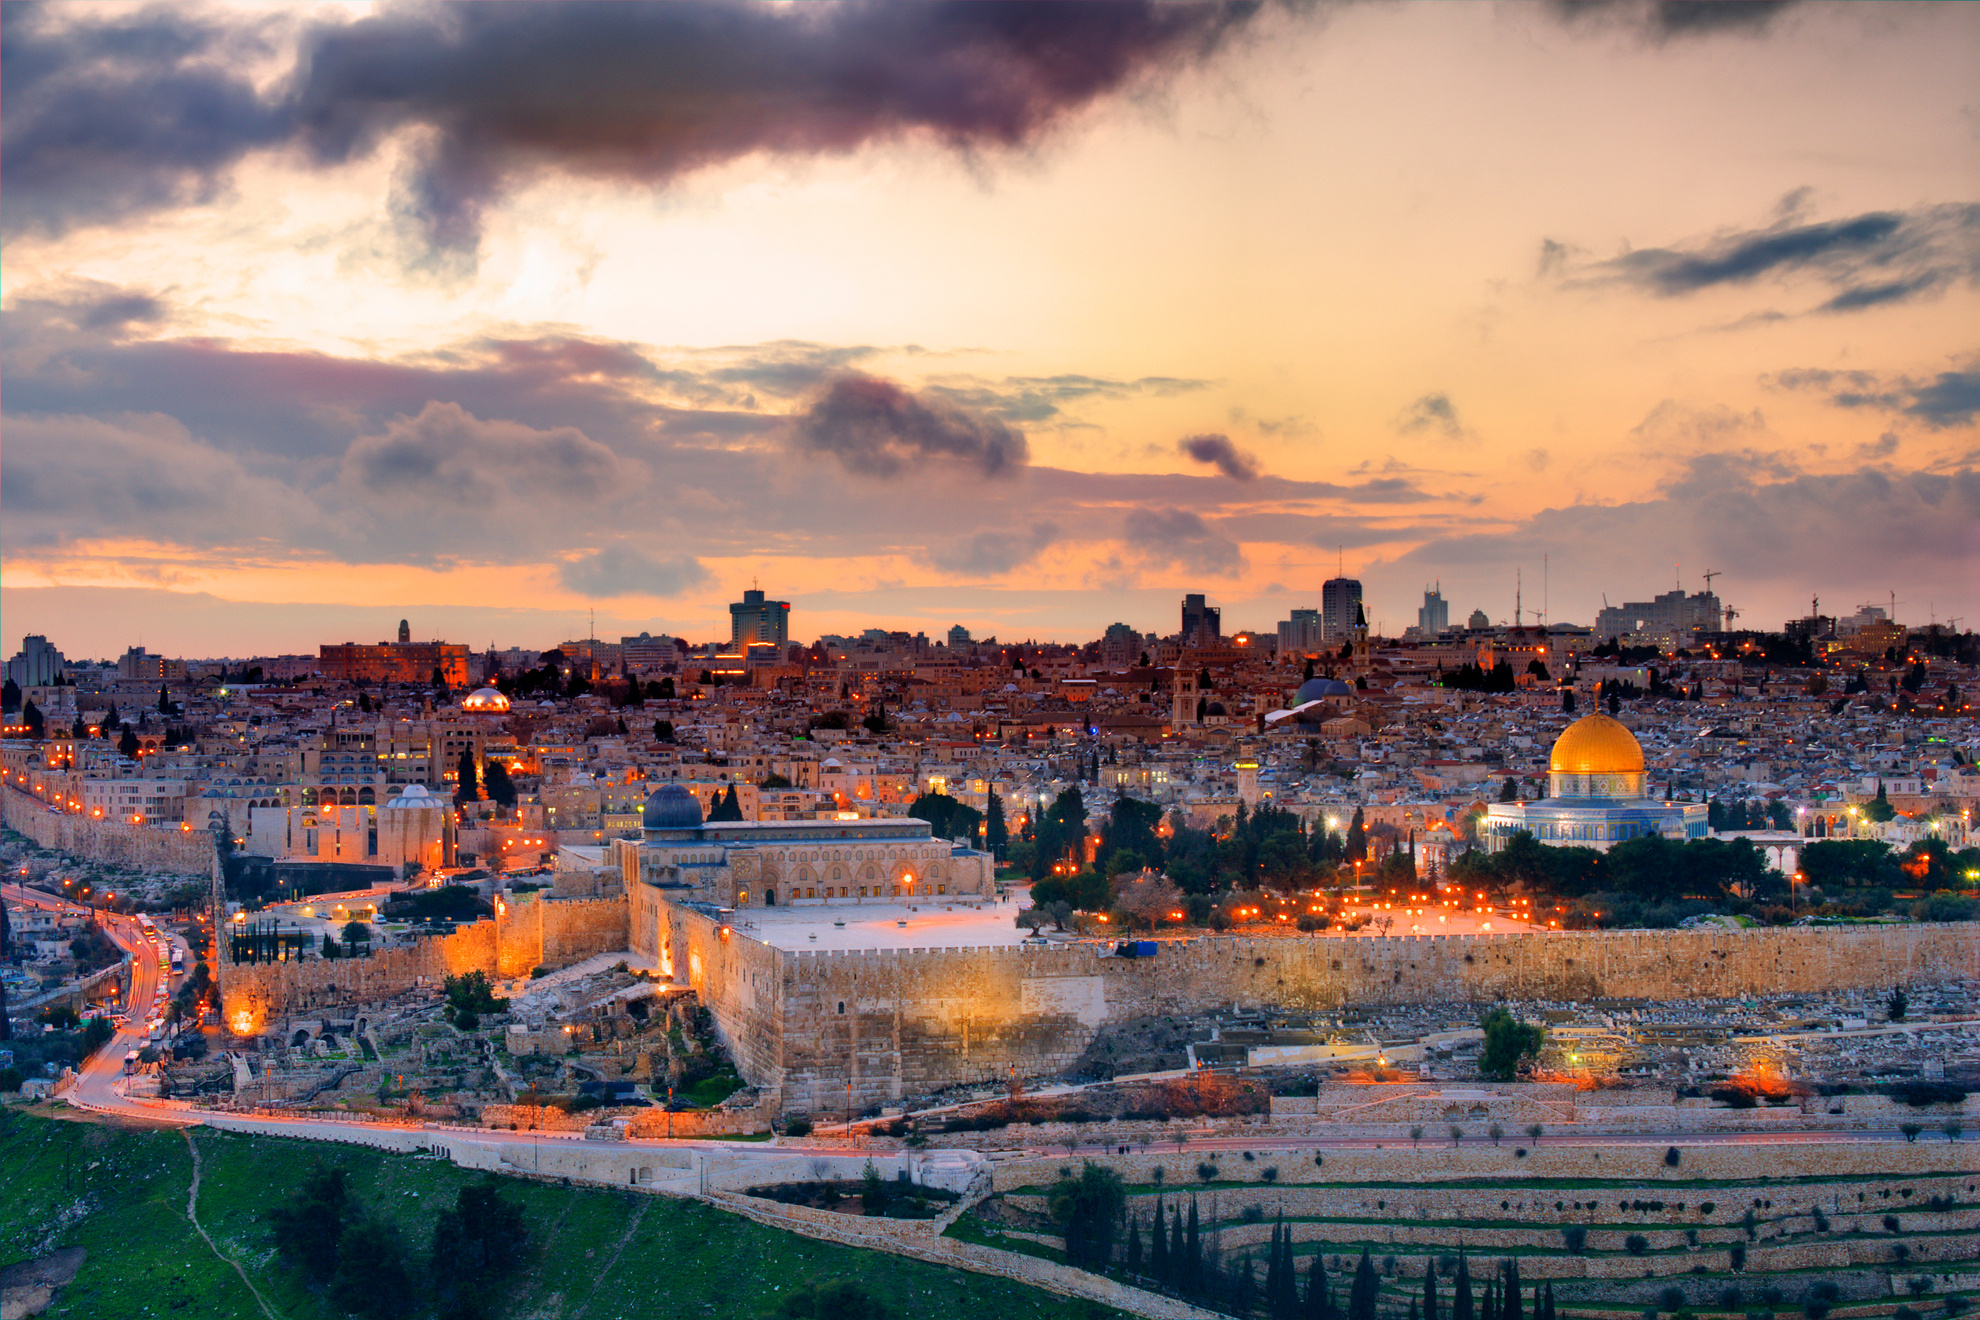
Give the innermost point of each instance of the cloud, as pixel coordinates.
(108, 118)
(446, 455)
(1181, 538)
(1883, 447)
(1220, 453)
(140, 476)
(1945, 400)
(622, 570)
(1433, 412)
(1665, 20)
(1871, 260)
(877, 428)
(995, 552)
(1848, 533)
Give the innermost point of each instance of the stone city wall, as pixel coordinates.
(900, 1022)
(189, 852)
(549, 933)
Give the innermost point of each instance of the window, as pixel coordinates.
(842, 1007)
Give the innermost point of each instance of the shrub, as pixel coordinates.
(1672, 1298)
(1206, 1171)
(1826, 1290)
(797, 1127)
(1918, 1285)
(1891, 1224)
(1269, 1174)
(1821, 1221)
(1636, 1244)
(1904, 1313)
(1707, 1207)
(1737, 1256)
(1956, 1306)
(1671, 1157)
(1815, 1308)
(1575, 1238)
(1253, 1213)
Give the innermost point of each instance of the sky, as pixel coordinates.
(528, 322)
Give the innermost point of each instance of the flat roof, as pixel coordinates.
(877, 926)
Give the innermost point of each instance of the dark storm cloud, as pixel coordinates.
(104, 119)
(623, 570)
(1947, 399)
(876, 428)
(1871, 260)
(1220, 453)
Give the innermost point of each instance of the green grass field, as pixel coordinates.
(594, 1254)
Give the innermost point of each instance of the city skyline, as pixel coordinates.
(616, 311)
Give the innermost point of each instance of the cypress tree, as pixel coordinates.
(1134, 1245)
(1178, 1255)
(1274, 1265)
(1461, 1303)
(1361, 1298)
(1548, 1309)
(1285, 1301)
(1430, 1291)
(1243, 1288)
(1158, 1245)
(1413, 1312)
(1490, 1311)
(1511, 1308)
(1192, 1251)
(1319, 1297)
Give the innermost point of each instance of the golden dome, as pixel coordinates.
(1596, 745)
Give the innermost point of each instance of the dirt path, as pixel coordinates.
(192, 1214)
(605, 1270)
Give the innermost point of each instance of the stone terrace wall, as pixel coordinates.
(147, 849)
(898, 1022)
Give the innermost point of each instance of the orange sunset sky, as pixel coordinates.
(1029, 318)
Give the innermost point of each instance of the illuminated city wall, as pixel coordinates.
(901, 1023)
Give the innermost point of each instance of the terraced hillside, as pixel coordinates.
(1727, 1228)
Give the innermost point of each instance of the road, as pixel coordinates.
(100, 1071)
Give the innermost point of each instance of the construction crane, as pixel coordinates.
(1711, 573)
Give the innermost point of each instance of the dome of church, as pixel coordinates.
(487, 700)
(671, 807)
(1596, 745)
(413, 796)
(1319, 689)
(1214, 708)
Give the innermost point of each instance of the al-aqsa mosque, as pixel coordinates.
(1595, 796)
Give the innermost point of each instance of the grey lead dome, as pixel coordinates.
(671, 807)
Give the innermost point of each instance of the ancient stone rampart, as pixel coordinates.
(114, 842)
(550, 933)
(833, 1029)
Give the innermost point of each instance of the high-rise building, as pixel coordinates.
(405, 632)
(1340, 609)
(1202, 624)
(959, 638)
(38, 663)
(1435, 615)
(1478, 622)
(754, 620)
(1300, 633)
